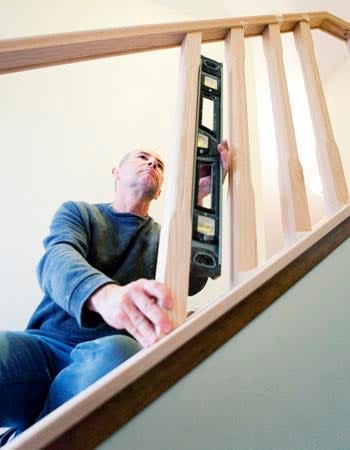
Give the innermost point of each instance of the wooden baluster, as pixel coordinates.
(175, 239)
(242, 232)
(329, 162)
(294, 206)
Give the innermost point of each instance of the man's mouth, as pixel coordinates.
(149, 170)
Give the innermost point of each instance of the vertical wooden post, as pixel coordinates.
(329, 162)
(175, 240)
(294, 206)
(243, 241)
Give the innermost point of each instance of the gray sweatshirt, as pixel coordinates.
(90, 246)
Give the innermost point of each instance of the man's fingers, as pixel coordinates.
(143, 307)
(137, 308)
(147, 306)
(223, 149)
(130, 327)
(224, 145)
(139, 322)
(159, 291)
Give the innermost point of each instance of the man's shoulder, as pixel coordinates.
(102, 212)
(154, 224)
(82, 206)
(81, 210)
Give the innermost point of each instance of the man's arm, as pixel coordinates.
(66, 276)
(63, 272)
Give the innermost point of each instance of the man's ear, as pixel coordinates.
(157, 195)
(115, 173)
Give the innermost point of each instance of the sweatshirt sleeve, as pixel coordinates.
(63, 272)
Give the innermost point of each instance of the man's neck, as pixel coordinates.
(130, 204)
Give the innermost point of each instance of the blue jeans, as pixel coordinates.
(38, 374)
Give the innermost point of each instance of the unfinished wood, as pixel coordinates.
(242, 222)
(175, 239)
(335, 27)
(41, 51)
(328, 157)
(65, 423)
(294, 205)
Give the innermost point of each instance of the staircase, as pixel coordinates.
(95, 414)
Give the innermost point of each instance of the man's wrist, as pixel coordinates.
(93, 302)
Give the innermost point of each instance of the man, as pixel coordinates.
(101, 302)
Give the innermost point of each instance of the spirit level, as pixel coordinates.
(206, 232)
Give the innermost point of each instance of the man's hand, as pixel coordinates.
(135, 307)
(205, 178)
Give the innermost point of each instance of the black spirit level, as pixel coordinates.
(206, 232)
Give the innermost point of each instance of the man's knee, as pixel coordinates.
(24, 382)
(4, 345)
(6, 340)
(89, 362)
(122, 346)
(110, 351)
(9, 347)
(117, 347)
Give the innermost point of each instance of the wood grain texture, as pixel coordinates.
(327, 152)
(175, 239)
(242, 227)
(109, 417)
(294, 205)
(335, 27)
(41, 51)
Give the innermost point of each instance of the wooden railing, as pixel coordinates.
(34, 52)
(175, 240)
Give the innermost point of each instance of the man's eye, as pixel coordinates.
(160, 166)
(143, 156)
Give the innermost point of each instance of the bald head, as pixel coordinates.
(124, 159)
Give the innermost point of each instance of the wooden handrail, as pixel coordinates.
(41, 51)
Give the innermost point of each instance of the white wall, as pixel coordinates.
(62, 128)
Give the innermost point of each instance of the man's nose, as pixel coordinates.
(152, 162)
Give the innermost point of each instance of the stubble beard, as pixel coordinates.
(146, 188)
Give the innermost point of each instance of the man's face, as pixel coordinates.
(142, 170)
